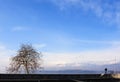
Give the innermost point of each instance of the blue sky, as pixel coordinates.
(62, 28)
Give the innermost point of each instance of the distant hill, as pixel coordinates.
(70, 72)
(86, 69)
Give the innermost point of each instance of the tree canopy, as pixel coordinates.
(27, 60)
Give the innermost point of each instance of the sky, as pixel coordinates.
(71, 34)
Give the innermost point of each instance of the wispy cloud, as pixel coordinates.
(39, 46)
(112, 43)
(19, 28)
(105, 10)
(65, 3)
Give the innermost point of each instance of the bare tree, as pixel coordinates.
(27, 60)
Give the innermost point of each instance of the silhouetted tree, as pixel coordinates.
(27, 60)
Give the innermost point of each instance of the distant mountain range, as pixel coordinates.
(90, 69)
(71, 72)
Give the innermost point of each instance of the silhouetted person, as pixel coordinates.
(105, 70)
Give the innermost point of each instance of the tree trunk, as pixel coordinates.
(26, 67)
(27, 71)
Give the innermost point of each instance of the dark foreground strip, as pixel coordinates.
(39, 81)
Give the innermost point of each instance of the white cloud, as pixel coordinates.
(77, 60)
(80, 59)
(5, 55)
(106, 11)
